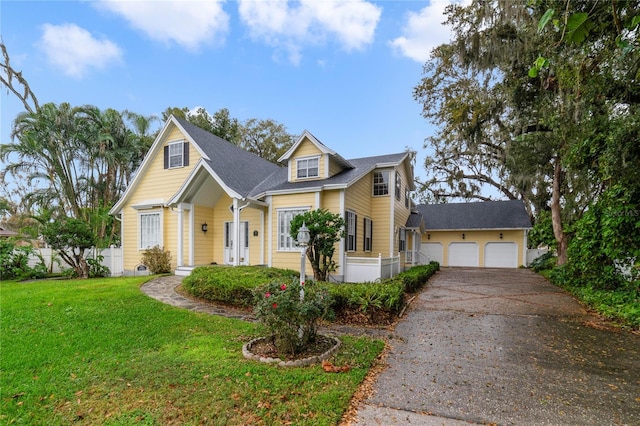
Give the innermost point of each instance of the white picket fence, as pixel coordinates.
(112, 259)
(369, 269)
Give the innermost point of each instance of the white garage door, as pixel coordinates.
(433, 251)
(463, 254)
(501, 255)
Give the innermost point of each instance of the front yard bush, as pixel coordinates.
(233, 284)
(369, 303)
(291, 318)
(368, 298)
(414, 278)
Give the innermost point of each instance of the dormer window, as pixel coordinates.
(307, 167)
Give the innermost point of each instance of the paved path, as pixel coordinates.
(491, 346)
(164, 290)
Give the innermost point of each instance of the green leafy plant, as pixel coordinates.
(234, 285)
(14, 262)
(325, 231)
(71, 238)
(290, 316)
(96, 268)
(157, 259)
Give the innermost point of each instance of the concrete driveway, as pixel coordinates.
(503, 346)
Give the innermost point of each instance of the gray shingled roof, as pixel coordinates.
(279, 180)
(509, 214)
(415, 220)
(239, 169)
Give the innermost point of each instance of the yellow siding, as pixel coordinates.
(306, 149)
(481, 237)
(381, 216)
(334, 167)
(330, 200)
(358, 200)
(288, 259)
(203, 242)
(157, 183)
(401, 212)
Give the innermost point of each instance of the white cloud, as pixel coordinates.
(189, 24)
(74, 50)
(292, 25)
(424, 31)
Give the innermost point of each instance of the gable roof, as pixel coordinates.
(509, 214)
(321, 147)
(279, 182)
(238, 169)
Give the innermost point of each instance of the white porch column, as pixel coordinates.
(180, 235)
(236, 233)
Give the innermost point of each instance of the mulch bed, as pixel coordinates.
(266, 348)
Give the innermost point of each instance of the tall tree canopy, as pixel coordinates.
(77, 160)
(530, 98)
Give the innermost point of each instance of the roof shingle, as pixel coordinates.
(510, 214)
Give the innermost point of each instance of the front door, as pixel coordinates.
(229, 243)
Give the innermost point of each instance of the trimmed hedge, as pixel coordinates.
(233, 284)
(387, 295)
(415, 278)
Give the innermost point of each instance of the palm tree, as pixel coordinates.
(46, 153)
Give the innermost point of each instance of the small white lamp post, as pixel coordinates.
(303, 241)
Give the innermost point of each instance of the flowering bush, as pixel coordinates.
(292, 319)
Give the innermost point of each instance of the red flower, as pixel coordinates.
(283, 287)
(302, 283)
(275, 305)
(267, 294)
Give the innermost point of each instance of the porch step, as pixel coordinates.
(183, 271)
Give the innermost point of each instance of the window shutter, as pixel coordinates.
(185, 160)
(166, 157)
(355, 232)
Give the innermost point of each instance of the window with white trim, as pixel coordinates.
(398, 186)
(150, 232)
(285, 241)
(402, 239)
(307, 167)
(368, 234)
(176, 155)
(352, 229)
(380, 183)
(406, 197)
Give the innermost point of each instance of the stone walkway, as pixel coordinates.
(164, 290)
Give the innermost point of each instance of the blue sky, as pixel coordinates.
(342, 70)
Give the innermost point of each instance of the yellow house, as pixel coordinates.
(209, 202)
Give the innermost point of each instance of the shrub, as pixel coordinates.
(291, 318)
(96, 268)
(414, 278)
(545, 262)
(233, 284)
(157, 259)
(14, 262)
(367, 297)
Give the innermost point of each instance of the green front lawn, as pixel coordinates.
(100, 352)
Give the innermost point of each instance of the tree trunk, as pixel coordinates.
(556, 213)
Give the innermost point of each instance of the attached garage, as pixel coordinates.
(501, 255)
(464, 254)
(491, 234)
